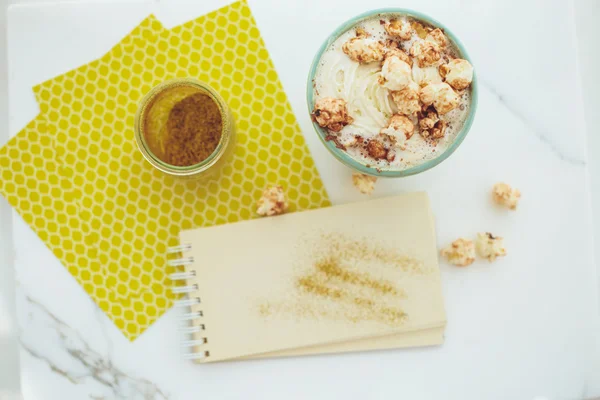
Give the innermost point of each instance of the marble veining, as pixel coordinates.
(555, 148)
(66, 353)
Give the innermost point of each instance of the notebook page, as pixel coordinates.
(421, 338)
(425, 337)
(324, 276)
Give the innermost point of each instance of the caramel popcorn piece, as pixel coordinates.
(390, 45)
(439, 130)
(363, 48)
(364, 183)
(431, 127)
(376, 149)
(490, 246)
(407, 99)
(458, 73)
(399, 28)
(395, 73)
(332, 113)
(441, 95)
(461, 252)
(426, 53)
(505, 195)
(272, 202)
(437, 36)
(399, 130)
(425, 76)
(392, 49)
(420, 29)
(428, 118)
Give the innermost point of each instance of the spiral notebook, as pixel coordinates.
(360, 276)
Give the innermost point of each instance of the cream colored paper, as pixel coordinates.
(426, 337)
(322, 277)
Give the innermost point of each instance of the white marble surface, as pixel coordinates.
(522, 328)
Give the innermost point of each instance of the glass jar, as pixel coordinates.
(214, 161)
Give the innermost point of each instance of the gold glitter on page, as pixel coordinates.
(349, 279)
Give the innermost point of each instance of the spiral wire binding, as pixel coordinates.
(179, 249)
(184, 289)
(187, 302)
(192, 316)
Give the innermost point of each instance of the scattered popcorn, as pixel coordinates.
(437, 36)
(426, 53)
(395, 73)
(363, 48)
(399, 28)
(272, 202)
(364, 183)
(490, 246)
(399, 130)
(461, 252)
(376, 149)
(332, 113)
(425, 76)
(458, 73)
(505, 195)
(441, 95)
(407, 99)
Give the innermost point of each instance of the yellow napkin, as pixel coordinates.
(32, 182)
(130, 212)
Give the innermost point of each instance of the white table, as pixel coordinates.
(520, 328)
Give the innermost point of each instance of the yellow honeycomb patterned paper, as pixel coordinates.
(130, 213)
(32, 182)
(137, 38)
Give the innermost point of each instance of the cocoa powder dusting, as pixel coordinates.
(193, 130)
(336, 141)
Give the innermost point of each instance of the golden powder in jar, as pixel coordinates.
(183, 126)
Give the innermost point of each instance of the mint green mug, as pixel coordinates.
(344, 157)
